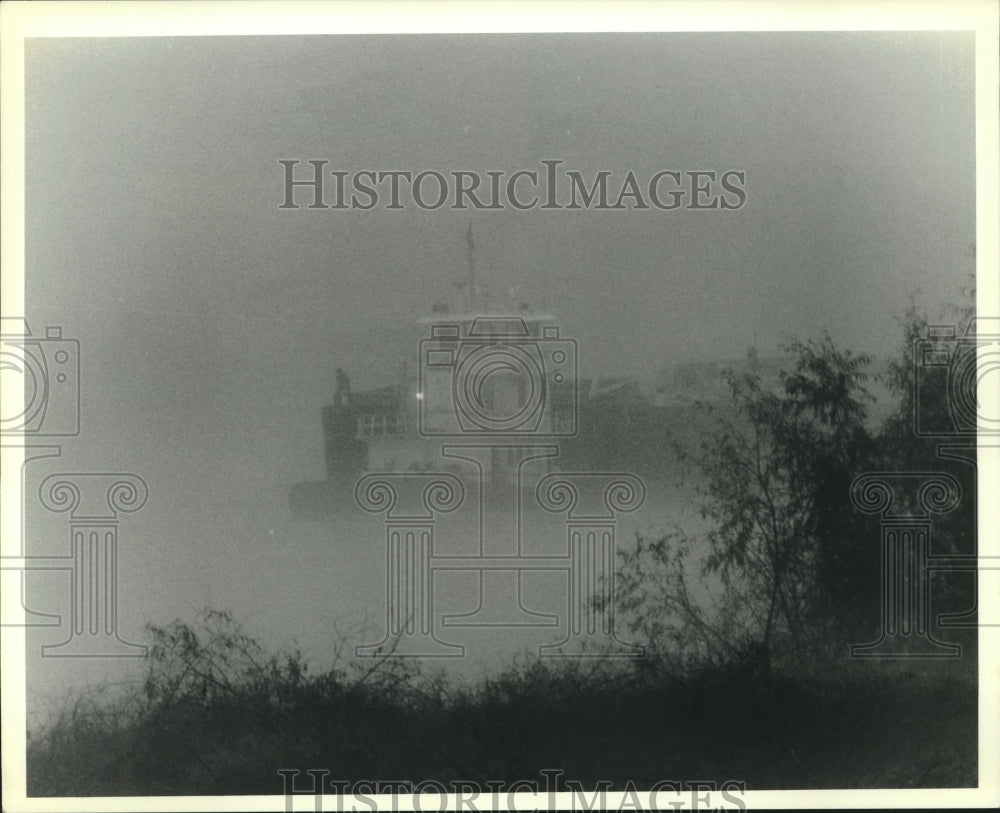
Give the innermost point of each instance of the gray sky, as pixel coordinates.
(154, 233)
(154, 184)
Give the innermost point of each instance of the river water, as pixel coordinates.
(318, 584)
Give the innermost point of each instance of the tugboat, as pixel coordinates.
(499, 374)
(496, 373)
(488, 370)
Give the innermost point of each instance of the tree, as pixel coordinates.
(774, 469)
(901, 448)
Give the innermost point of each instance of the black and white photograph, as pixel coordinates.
(488, 406)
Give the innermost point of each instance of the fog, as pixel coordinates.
(211, 320)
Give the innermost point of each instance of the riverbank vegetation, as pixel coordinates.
(748, 626)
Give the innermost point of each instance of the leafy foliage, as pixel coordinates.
(773, 473)
(901, 448)
(792, 567)
(217, 715)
